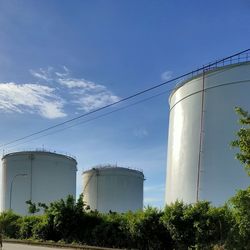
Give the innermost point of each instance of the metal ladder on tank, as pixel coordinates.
(202, 131)
(95, 172)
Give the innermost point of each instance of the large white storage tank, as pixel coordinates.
(39, 176)
(202, 123)
(113, 188)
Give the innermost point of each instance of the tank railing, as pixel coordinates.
(107, 166)
(42, 149)
(240, 57)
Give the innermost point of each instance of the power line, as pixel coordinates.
(191, 73)
(95, 111)
(95, 118)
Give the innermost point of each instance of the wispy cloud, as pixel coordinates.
(43, 74)
(32, 98)
(167, 75)
(65, 73)
(80, 83)
(87, 95)
(53, 93)
(91, 101)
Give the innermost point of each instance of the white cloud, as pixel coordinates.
(85, 94)
(30, 98)
(88, 102)
(42, 73)
(167, 75)
(63, 74)
(80, 83)
(52, 110)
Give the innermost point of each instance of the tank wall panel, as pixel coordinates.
(49, 177)
(219, 173)
(112, 189)
(183, 148)
(90, 189)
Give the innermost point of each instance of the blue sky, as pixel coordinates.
(59, 59)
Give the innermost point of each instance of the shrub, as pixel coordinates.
(240, 205)
(150, 231)
(111, 232)
(10, 224)
(27, 225)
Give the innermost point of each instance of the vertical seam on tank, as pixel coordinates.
(97, 174)
(201, 136)
(31, 175)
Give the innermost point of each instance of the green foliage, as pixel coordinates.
(198, 226)
(220, 224)
(241, 211)
(9, 224)
(41, 229)
(178, 226)
(243, 139)
(32, 207)
(42, 205)
(62, 218)
(27, 224)
(111, 232)
(67, 219)
(210, 225)
(150, 232)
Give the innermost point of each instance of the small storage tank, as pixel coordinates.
(39, 176)
(114, 189)
(202, 123)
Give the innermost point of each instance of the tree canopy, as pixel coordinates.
(243, 139)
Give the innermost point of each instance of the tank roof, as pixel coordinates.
(208, 70)
(112, 167)
(40, 151)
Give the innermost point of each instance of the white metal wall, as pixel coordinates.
(200, 162)
(49, 177)
(116, 189)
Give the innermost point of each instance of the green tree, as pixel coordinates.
(27, 225)
(150, 232)
(197, 226)
(9, 224)
(210, 225)
(240, 205)
(66, 219)
(42, 205)
(179, 226)
(111, 231)
(32, 207)
(243, 139)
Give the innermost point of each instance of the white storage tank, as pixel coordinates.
(113, 188)
(39, 176)
(202, 123)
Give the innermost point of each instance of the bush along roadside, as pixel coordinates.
(178, 226)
